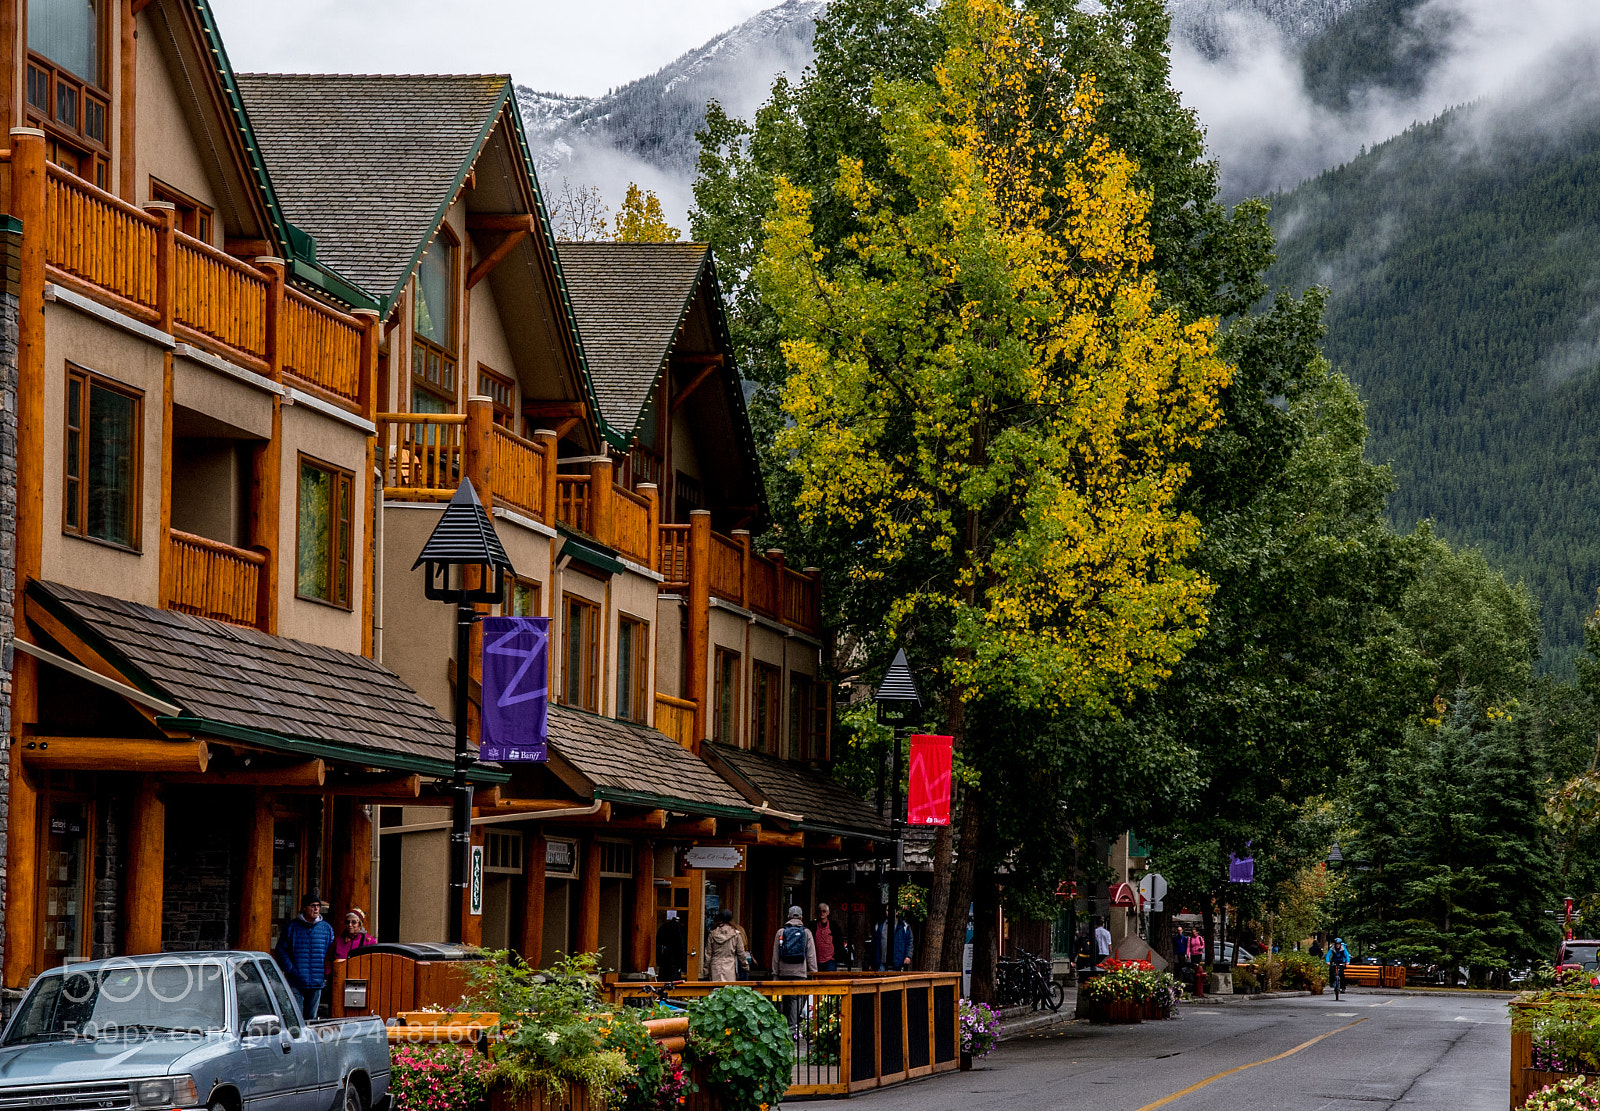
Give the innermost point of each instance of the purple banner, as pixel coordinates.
(1241, 870)
(516, 689)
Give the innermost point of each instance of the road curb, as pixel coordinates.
(1225, 1000)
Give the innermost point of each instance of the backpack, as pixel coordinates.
(793, 945)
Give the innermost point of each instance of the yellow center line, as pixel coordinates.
(1195, 1087)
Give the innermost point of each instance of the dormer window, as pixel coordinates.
(66, 86)
(433, 341)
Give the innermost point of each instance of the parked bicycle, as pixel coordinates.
(1025, 979)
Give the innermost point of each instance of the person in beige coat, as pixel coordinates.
(724, 948)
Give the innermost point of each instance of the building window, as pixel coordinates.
(633, 670)
(524, 599)
(433, 360)
(66, 82)
(191, 217)
(498, 389)
(326, 511)
(766, 708)
(803, 709)
(65, 893)
(616, 860)
(101, 488)
(725, 729)
(582, 654)
(687, 497)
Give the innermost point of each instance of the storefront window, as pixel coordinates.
(285, 875)
(65, 886)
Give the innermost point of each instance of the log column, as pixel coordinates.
(352, 867)
(533, 898)
(22, 826)
(589, 900)
(642, 951)
(696, 666)
(266, 471)
(255, 909)
(146, 873)
(602, 514)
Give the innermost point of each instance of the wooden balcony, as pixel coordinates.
(675, 718)
(735, 573)
(211, 579)
(138, 263)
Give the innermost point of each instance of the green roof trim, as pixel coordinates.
(589, 552)
(344, 754)
(668, 802)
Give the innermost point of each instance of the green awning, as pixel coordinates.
(590, 553)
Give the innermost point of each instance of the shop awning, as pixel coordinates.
(825, 806)
(238, 684)
(634, 765)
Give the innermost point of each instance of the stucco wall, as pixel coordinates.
(73, 336)
(165, 146)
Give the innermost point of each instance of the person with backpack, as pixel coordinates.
(794, 949)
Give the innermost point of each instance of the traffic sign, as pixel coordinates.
(1153, 889)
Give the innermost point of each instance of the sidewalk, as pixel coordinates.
(1018, 1022)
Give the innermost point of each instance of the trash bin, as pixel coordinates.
(395, 976)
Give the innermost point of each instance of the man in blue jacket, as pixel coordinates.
(303, 953)
(894, 943)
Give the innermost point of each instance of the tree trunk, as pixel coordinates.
(939, 905)
(963, 873)
(1208, 926)
(985, 939)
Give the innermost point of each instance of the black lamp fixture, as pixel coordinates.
(464, 540)
(897, 697)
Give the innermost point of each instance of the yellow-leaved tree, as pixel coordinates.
(641, 219)
(987, 405)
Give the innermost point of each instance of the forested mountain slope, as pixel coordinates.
(1464, 260)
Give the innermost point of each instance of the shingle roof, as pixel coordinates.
(630, 300)
(254, 681)
(793, 789)
(628, 762)
(368, 164)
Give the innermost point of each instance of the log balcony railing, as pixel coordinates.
(424, 457)
(137, 262)
(211, 579)
(761, 583)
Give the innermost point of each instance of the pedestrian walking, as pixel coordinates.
(723, 950)
(794, 957)
(895, 943)
(303, 953)
(354, 936)
(825, 932)
(1102, 941)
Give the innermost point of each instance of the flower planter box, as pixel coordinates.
(575, 1098)
(1118, 1012)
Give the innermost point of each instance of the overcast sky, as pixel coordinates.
(582, 47)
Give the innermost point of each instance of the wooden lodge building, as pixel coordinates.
(254, 331)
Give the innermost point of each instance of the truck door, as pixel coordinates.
(262, 1080)
(305, 1086)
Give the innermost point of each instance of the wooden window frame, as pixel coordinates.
(639, 695)
(766, 702)
(89, 379)
(725, 725)
(589, 675)
(423, 346)
(338, 475)
(194, 218)
(92, 154)
(536, 586)
(802, 726)
(505, 411)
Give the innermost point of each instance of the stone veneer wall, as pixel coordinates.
(10, 246)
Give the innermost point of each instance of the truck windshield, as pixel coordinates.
(1573, 953)
(124, 1000)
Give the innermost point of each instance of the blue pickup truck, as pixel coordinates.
(219, 1031)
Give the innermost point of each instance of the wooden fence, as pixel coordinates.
(675, 718)
(630, 526)
(420, 454)
(852, 1032)
(572, 501)
(519, 472)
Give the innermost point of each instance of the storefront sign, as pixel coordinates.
(475, 903)
(928, 803)
(1241, 870)
(516, 689)
(560, 858)
(715, 858)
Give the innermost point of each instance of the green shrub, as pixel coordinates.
(1244, 978)
(1303, 972)
(745, 1046)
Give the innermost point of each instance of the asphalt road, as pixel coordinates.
(1421, 1053)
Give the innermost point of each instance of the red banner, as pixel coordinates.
(928, 803)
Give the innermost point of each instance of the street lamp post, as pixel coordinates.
(464, 539)
(896, 698)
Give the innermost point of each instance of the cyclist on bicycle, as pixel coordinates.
(1338, 957)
